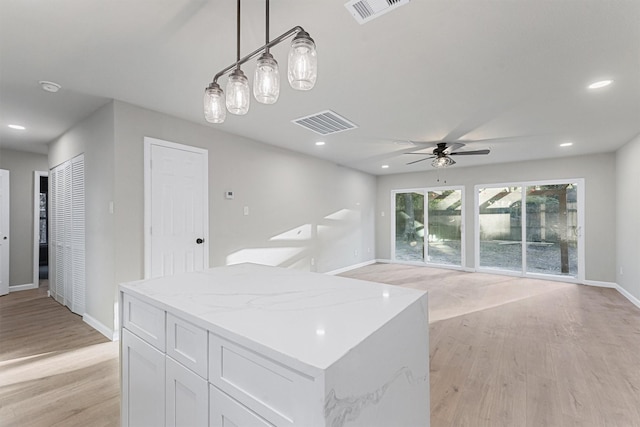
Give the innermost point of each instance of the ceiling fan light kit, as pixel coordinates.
(441, 154)
(442, 162)
(302, 72)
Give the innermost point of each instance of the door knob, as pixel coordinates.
(199, 241)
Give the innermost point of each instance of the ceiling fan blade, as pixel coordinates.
(421, 160)
(470, 153)
(425, 143)
(453, 146)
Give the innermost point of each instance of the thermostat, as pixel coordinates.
(228, 195)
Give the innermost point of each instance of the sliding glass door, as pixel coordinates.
(500, 228)
(549, 225)
(552, 229)
(444, 240)
(428, 226)
(409, 226)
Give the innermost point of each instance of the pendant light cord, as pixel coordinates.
(238, 35)
(267, 28)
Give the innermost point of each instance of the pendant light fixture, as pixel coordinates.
(266, 82)
(238, 99)
(301, 73)
(303, 62)
(215, 110)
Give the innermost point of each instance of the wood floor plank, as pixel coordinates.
(55, 370)
(509, 351)
(504, 351)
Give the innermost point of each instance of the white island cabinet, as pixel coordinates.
(250, 345)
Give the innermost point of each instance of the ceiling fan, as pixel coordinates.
(443, 151)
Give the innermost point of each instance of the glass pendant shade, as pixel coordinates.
(303, 62)
(442, 162)
(266, 82)
(214, 105)
(238, 93)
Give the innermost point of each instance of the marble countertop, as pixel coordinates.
(306, 320)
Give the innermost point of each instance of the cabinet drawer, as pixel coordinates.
(144, 320)
(280, 395)
(225, 412)
(187, 343)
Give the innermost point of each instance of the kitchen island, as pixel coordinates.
(251, 345)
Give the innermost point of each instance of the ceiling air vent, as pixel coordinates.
(366, 10)
(325, 123)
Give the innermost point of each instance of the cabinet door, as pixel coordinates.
(187, 397)
(228, 412)
(143, 373)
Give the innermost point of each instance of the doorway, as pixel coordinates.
(531, 229)
(4, 232)
(428, 226)
(40, 227)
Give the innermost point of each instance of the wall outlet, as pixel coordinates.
(355, 253)
(621, 271)
(313, 261)
(382, 213)
(246, 210)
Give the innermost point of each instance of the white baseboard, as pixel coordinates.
(25, 287)
(422, 264)
(351, 267)
(100, 327)
(635, 301)
(600, 284)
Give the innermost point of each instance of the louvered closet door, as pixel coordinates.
(58, 285)
(67, 281)
(77, 236)
(53, 231)
(68, 228)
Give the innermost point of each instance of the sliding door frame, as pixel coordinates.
(579, 278)
(425, 191)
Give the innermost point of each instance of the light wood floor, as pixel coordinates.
(504, 352)
(518, 352)
(55, 370)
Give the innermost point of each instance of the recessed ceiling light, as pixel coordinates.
(385, 166)
(49, 86)
(566, 144)
(319, 143)
(601, 83)
(17, 127)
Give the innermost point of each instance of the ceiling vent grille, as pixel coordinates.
(325, 123)
(366, 10)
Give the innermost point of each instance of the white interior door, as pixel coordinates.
(176, 208)
(4, 232)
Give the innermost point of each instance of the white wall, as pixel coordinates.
(600, 183)
(94, 137)
(21, 166)
(628, 217)
(332, 206)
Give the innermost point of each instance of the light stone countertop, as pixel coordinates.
(305, 320)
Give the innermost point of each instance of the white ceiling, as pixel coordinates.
(508, 74)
